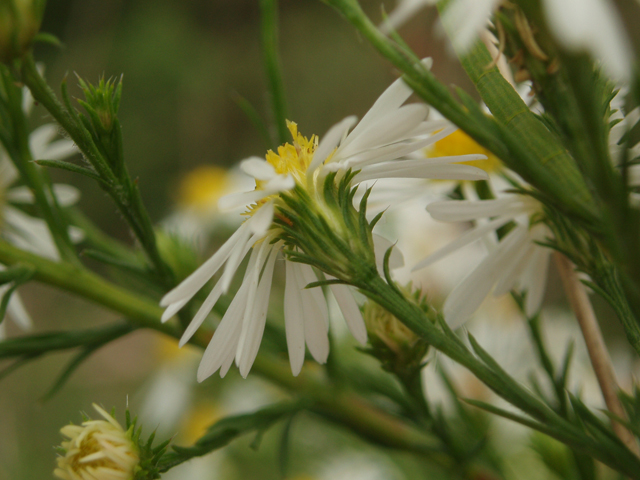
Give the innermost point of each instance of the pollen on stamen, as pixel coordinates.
(291, 159)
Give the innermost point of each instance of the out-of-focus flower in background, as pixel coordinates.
(23, 230)
(515, 261)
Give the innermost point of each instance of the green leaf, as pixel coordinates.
(228, 429)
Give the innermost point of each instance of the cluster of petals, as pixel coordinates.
(97, 450)
(376, 148)
(22, 230)
(516, 261)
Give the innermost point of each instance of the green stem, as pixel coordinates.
(496, 379)
(338, 405)
(269, 25)
(122, 190)
(33, 176)
(515, 135)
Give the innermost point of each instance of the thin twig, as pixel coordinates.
(598, 353)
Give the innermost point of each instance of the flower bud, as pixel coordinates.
(98, 449)
(19, 23)
(397, 347)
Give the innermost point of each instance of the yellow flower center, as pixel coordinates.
(459, 143)
(293, 159)
(202, 187)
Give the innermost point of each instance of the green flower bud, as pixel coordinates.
(397, 347)
(19, 23)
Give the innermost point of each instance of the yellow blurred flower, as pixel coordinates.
(459, 143)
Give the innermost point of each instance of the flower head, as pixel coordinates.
(98, 450)
(375, 149)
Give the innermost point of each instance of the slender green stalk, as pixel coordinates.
(514, 135)
(339, 405)
(122, 190)
(269, 25)
(491, 375)
(33, 176)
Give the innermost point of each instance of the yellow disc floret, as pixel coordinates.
(459, 143)
(292, 159)
(295, 158)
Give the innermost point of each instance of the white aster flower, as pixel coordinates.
(592, 26)
(98, 450)
(514, 262)
(25, 231)
(375, 148)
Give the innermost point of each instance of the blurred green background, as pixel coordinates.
(183, 62)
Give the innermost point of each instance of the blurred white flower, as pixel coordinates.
(592, 26)
(25, 231)
(515, 261)
(375, 148)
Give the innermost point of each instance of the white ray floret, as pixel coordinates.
(377, 147)
(515, 262)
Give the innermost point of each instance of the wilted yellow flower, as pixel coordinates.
(98, 450)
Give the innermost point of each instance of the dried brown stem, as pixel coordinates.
(598, 353)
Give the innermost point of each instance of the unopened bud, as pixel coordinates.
(397, 347)
(98, 449)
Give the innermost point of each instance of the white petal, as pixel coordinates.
(392, 98)
(8, 172)
(387, 129)
(203, 311)
(173, 309)
(57, 150)
(248, 346)
(350, 311)
(465, 239)
(293, 319)
(469, 294)
(424, 170)
(258, 168)
(222, 347)
(315, 315)
(330, 141)
(261, 220)
(465, 210)
(29, 233)
(20, 195)
(66, 195)
(380, 247)
(40, 137)
(18, 312)
(538, 275)
(245, 242)
(464, 19)
(593, 26)
(279, 183)
(194, 282)
(403, 146)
